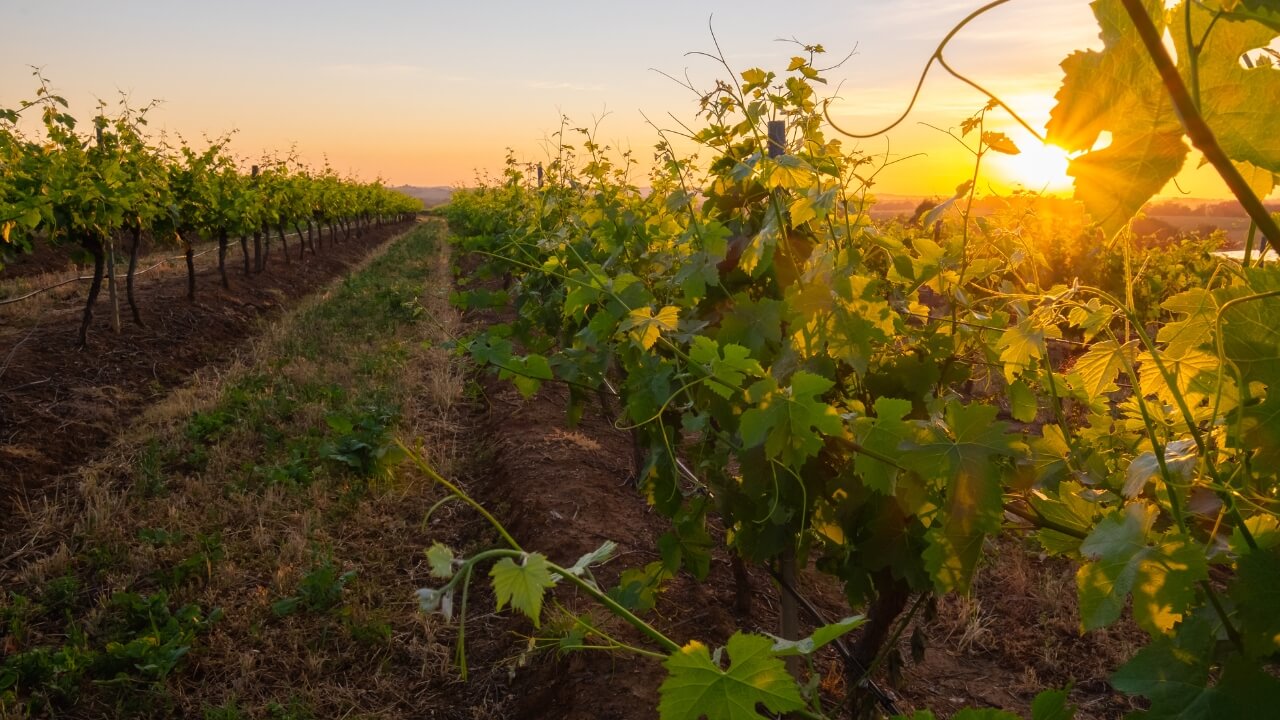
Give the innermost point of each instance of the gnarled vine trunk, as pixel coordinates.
(94, 246)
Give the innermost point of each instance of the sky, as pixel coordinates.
(429, 93)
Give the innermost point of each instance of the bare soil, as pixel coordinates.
(59, 405)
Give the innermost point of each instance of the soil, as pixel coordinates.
(60, 405)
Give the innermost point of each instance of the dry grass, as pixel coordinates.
(1021, 621)
(243, 543)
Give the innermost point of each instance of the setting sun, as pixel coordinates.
(1038, 167)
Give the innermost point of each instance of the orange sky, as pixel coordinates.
(428, 93)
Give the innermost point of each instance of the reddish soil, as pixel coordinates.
(59, 405)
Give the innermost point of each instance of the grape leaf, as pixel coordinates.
(645, 327)
(728, 366)
(789, 421)
(1022, 402)
(1256, 592)
(1094, 372)
(1117, 89)
(1237, 102)
(440, 558)
(1052, 705)
(964, 451)
(1180, 458)
(1116, 181)
(1023, 344)
(522, 585)
(999, 142)
(697, 687)
(883, 435)
(1159, 572)
(1173, 672)
(820, 638)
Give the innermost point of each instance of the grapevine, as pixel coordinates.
(819, 374)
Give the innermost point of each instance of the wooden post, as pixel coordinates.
(777, 137)
(112, 298)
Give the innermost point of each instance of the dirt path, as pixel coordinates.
(59, 406)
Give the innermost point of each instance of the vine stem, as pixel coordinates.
(437, 477)
(1194, 123)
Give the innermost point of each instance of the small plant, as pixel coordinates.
(363, 443)
(138, 644)
(319, 591)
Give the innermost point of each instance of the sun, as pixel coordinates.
(1039, 167)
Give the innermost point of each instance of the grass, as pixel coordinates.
(249, 550)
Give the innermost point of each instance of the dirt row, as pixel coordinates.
(60, 405)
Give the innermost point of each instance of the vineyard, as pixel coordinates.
(707, 443)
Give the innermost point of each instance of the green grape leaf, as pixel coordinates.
(1173, 672)
(1159, 572)
(645, 327)
(1266, 12)
(788, 172)
(638, 588)
(965, 451)
(802, 211)
(883, 435)
(1180, 458)
(522, 585)
(1023, 344)
(1068, 509)
(599, 556)
(1194, 374)
(687, 544)
(789, 421)
(1256, 592)
(1052, 705)
(1022, 402)
(1237, 102)
(697, 687)
(727, 370)
(1118, 90)
(1198, 308)
(1049, 455)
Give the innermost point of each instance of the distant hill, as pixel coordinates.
(430, 196)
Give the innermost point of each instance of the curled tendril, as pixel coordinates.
(938, 58)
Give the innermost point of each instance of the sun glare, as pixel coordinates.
(1042, 168)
